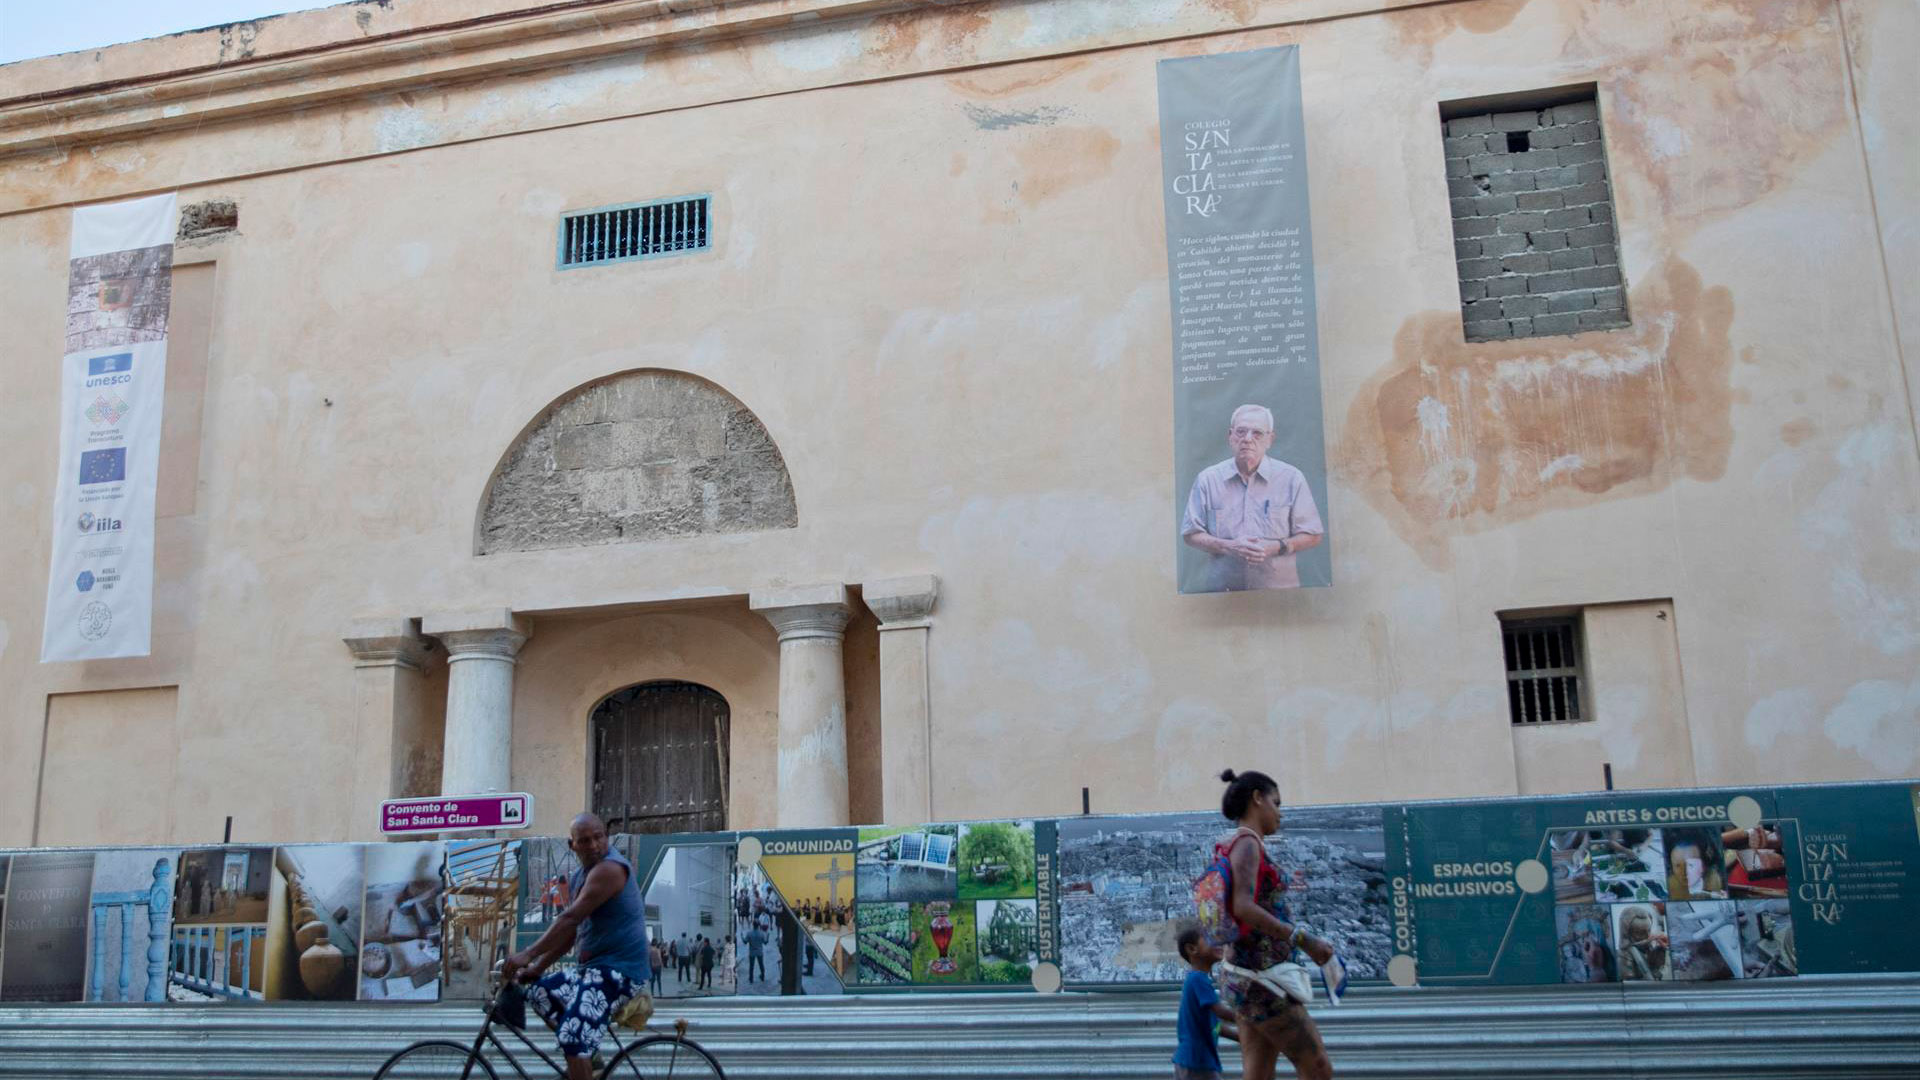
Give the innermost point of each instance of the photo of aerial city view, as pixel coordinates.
(1126, 888)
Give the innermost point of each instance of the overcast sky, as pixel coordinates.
(31, 28)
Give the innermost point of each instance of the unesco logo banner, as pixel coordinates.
(113, 375)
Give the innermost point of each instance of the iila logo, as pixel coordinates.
(102, 524)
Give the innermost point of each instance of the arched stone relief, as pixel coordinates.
(644, 455)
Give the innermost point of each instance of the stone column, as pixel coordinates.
(391, 751)
(481, 651)
(811, 789)
(904, 607)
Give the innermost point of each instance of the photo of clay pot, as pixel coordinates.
(313, 922)
(400, 954)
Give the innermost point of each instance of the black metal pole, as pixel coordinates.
(1607, 767)
(228, 838)
(1086, 802)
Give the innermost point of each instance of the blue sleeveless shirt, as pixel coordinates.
(615, 935)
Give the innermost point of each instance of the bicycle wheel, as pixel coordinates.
(663, 1057)
(436, 1061)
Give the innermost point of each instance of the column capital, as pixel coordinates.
(902, 603)
(387, 643)
(495, 633)
(804, 611)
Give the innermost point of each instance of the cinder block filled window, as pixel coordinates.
(1544, 668)
(1533, 225)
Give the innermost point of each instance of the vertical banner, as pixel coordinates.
(113, 379)
(1250, 468)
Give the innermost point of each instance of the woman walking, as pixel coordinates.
(1271, 1025)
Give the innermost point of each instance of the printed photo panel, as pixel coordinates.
(1126, 888)
(545, 885)
(402, 922)
(1585, 938)
(6, 864)
(43, 947)
(945, 950)
(885, 944)
(1006, 933)
(996, 860)
(1640, 941)
(801, 892)
(918, 862)
(224, 885)
(131, 930)
(1705, 940)
(479, 913)
(692, 902)
(314, 907)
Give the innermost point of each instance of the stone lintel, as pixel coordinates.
(804, 611)
(387, 642)
(902, 603)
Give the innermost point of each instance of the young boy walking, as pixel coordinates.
(1197, 1057)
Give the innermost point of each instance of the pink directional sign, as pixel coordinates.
(455, 813)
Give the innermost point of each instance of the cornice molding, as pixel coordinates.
(491, 47)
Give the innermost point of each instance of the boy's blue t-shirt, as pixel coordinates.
(1199, 1045)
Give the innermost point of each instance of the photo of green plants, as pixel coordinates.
(996, 860)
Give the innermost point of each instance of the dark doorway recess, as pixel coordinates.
(660, 759)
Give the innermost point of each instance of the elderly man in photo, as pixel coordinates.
(1251, 514)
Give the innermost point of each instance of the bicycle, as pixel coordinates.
(657, 1056)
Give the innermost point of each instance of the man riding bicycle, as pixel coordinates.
(606, 915)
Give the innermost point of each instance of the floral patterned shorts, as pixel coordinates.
(581, 1003)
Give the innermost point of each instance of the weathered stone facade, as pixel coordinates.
(640, 456)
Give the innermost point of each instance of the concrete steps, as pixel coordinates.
(1827, 1027)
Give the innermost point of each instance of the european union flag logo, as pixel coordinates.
(103, 466)
(110, 365)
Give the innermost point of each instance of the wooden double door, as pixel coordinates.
(660, 759)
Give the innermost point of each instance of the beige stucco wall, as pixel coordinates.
(1634, 708)
(945, 296)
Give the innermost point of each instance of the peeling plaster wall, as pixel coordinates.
(944, 298)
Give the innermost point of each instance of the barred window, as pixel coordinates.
(635, 231)
(1544, 669)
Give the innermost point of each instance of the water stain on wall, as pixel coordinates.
(1063, 159)
(1240, 11)
(1765, 70)
(1454, 437)
(897, 37)
(1005, 82)
(1418, 30)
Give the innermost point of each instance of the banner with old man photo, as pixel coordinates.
(1250, 466)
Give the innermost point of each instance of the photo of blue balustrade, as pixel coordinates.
(401, 951)
(217, 963)
(131, 925)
